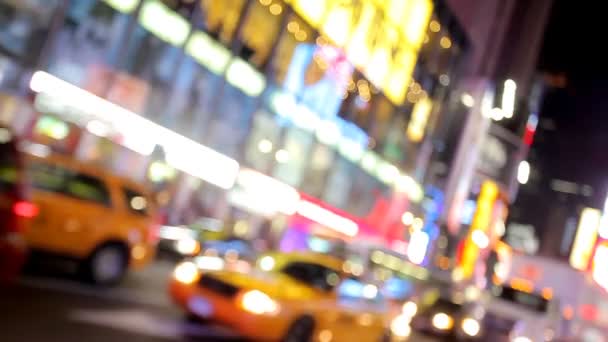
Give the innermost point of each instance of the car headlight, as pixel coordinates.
(187, 246)
(186, 272)
(210, 263)
(409, 309)
(266, 263)
(470, 326)
(400, 326)
(522, 339)
(257, 302)
(442, 321)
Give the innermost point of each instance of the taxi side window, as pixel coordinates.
(48, 177)
(88, 188)
(64, 181)
(137, 203)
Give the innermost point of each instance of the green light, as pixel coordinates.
(208, 52)
(160, 171)
(245, 77)
(164, 23)
(124, 6)
(52, 127)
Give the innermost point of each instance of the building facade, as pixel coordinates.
(333, 98)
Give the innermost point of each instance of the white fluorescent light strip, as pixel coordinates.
(327, 218)
(141, 135)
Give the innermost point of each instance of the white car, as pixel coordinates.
(523, 316)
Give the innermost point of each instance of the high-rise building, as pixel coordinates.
(499, 99)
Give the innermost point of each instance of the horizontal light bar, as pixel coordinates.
(327, 218)
(280, 196)
(142, 135)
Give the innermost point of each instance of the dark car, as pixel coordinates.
(448, 317)
(15, 209)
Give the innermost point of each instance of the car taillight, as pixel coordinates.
(25, 209)
(154, 234)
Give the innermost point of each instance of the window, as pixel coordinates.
(263, 141)
(528, 300)
(88, 188)
(66, 182)
(137, 203)
(24, 26)
(315, 275)
(8, 174)
(47, 177)
(222, 17)
(8, 163)
(260, 30)
(297, 33)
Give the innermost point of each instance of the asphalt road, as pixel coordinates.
(53, 306)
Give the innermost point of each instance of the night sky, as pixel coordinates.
(577, 149)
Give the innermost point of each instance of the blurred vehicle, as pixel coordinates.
(186, 240)
(448, 316)
(523, 315)
(104, 222)
(241, 248)
(288, 297)
(16, 211)
(178, 241)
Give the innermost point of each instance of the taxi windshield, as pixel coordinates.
(8, 167)
(530, 301)
(312, 274)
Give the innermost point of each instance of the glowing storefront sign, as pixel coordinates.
(478, 233)
(600, 260)
(265, 193)
(603, 227)
(586, 235)
(174, 28)
(243, 76)
(417, 247)
(327, 218)
(124, 6)
(420, 117)
(389, 61)
(139, 134)
(213, 55)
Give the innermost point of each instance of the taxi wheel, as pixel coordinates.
(386, 337)
(107, 265)
(301, 330)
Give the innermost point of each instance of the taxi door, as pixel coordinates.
(74, 209)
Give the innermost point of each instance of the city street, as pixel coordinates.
(58, 308)
(62, 309)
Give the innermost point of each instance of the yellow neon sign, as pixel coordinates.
(385, 51)
(586, 236)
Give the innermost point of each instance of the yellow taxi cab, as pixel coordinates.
(105, 222)
(287, 297)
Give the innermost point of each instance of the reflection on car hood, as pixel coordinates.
(274, 284)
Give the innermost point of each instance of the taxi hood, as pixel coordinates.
(274, 284)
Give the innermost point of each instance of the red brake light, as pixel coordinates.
(25, 209)
(154, 234)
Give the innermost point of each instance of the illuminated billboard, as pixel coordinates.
(586, 236)
(599, 269)
(385, 51)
